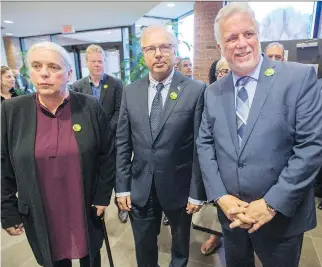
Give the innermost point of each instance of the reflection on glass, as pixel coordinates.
(29, 41)
(186, 36)
(284, 20)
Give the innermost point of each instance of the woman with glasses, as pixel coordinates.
(57, 164)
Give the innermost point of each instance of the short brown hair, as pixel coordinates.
(4, 69)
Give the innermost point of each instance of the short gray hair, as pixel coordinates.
(53, 47)
(152, 28)
(181, 60)
(275, 44)
(229, 10)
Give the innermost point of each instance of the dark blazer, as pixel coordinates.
(280, 154)
(18, 171)
(170, 159)
(110, 97)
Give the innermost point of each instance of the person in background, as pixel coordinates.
(21, 81)
(275, 51)
(7, 83)
(318, 179)
(57, 164)
(260, 146)
(220, 69)
(107, 89)
(177, 59)
(159, 121)
(185, 67)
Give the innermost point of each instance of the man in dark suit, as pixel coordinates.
(159, 120)
(21, 81)
(260, 146)
(106, 88)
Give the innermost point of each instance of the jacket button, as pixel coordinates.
(240, 165)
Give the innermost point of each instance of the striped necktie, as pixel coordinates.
(156, 110)
(242, 106)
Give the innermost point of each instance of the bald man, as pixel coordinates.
(275, 51)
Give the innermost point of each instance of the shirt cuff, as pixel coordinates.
(123, 194)
(196, 202)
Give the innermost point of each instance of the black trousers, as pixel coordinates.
(146, 223)
(84, 262)
(272, 252)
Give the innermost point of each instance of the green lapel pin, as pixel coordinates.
(173, 96)
(269, 72)
(105, 86)
(77, 128)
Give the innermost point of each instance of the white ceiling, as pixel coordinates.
(164, 11)
(39, 18)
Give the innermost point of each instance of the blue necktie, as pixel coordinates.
(242, 106)
(156, 110)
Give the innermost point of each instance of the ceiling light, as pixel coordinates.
(9, 33)
(8, 21)
(171, 4)
(108, 32)
(138, 25)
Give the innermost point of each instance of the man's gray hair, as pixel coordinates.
(152, 28)
(229, 10)
(275, 44)
(181, 60)
(53, 47)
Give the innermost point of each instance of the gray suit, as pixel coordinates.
(281, 149)
(168, 164)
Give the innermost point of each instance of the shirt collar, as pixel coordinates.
(165, 82)
(90, 80)
(254, 74)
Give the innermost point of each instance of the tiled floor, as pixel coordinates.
(15, 251)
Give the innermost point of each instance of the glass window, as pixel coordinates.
(186, 36)
(284, 20)
(89, 37)
(29, 41)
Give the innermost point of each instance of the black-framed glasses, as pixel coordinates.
(222, 72)
(164, 49)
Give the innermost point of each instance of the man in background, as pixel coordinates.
(185, 67)
(104, 87)
(275, 51)
(21, 81)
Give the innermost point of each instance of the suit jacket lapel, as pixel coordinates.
(142, 103)
(264, 85)
(228, 99)
(169, 104)
(87, 87)
(106, 82)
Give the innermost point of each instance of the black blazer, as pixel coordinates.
(18, 170)
(110, 97)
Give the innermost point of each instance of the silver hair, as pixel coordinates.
(230, 9)
(274, 44)
(53, 47)
(152, 28)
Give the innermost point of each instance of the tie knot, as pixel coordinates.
(159, 87)
(242, 81)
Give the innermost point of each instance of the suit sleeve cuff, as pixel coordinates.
(123, 194)
(196, 202)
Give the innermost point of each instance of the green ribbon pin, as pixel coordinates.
(173, 96)
(269, 72)
(77, 128)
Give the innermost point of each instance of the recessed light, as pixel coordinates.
(171, 4)
(9, 33)
(109, 32)
(138, 25)
(8, 21)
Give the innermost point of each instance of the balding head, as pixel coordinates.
(275, 51)
(159, 47)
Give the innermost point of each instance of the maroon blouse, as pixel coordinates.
(60, 180)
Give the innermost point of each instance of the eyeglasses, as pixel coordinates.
(164, 49)
(222, 72)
